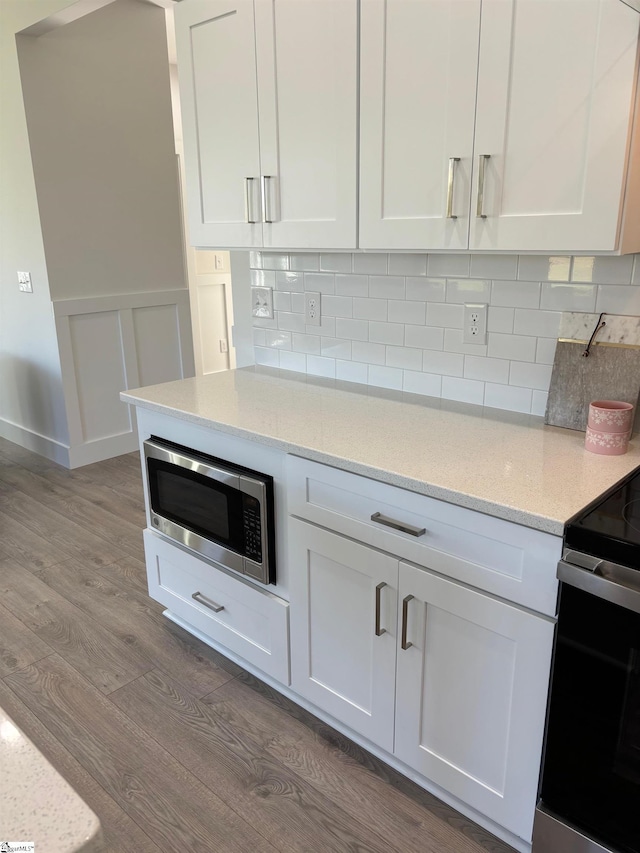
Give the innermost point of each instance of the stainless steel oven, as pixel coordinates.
(590, 784)
(223, 511)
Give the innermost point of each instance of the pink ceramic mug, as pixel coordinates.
(610, 416)
(606, 443)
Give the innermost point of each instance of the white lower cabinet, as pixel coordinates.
(450, 680)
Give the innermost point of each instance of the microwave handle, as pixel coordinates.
(199, 466)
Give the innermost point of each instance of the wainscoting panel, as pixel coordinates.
(110, 344)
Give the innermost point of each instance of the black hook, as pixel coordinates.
(599, 325)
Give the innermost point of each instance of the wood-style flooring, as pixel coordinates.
(172, 746)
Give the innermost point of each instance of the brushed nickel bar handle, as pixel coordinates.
(405, 619)
(379, 518)
(482, 162)
(379, 631)
(452, 174)
(247, 201)
(200, 598)
(265, 218)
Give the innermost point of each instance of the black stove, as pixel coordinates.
(609, 528)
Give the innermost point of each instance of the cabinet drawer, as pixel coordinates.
(506, 559)
(253, 623)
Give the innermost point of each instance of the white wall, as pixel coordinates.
(31, 404)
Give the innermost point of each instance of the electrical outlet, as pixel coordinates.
(24, 282)
(262, 302)
(218, 261)
(312, 309)
(475, 324)
(224, 346)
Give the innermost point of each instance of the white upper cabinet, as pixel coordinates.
(555, 92)
(543, 147)
(419, 64)
(269, 105)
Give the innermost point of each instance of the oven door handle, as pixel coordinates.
(607, 582)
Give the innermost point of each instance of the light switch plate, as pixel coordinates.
(24, 282)
(262, 302)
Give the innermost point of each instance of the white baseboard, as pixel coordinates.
(47, 447)
(102, 448)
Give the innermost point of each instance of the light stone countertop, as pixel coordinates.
(37, 804)
(504, 464)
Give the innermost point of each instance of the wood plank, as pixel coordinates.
(169, 804)
(119, 831)
(18, 645)
(135, 619)
(105, 660)
(30, 549)
(363, 785)
(286, 809)
(130, 572)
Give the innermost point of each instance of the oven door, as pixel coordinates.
(197, 504)
(591, 775)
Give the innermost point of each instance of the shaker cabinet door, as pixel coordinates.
(419, 63)
(471, 695)
(307, 54)
(555, 89)
(218, 93)
(343, 629)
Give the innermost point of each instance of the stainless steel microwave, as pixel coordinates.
(220, 510)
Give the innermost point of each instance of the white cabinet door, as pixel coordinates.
(307, 56)
(417, 104)
(555, 87)
(471, 695)
(342, 657)
(218, 93)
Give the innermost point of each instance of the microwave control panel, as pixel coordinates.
(252, 528)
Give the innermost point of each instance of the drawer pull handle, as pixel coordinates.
(200, 598)
(405, 619)
(379, 518)
(379, 631)
(452, 175)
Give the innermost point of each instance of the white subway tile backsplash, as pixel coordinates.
(319, 366)
(352, 371)
(537, 376)
(494, 266)
(396, 321)
(337, 306)
(352, 285)
(453, 342)
(486, 369)
(618, 299)
(293, 361)
(370, 264)
(335, 348)
(355, 330)
(370, 309)
(429, 384)
(464, 390)
(568, 297)
(337, 262)
(424, 337)
(407, 359)
(445, 315)
(407, 264)
(508, 397)
(500, 319)
(386, 333)
(544, 324)
(468, 290)
(512, 347)
(544, 268)
(426, 290)
(322, 282)
(444, 363)
(546, 350)
(306, 343)
(386, 287)
(304, 261)
(385, 377)
(516, 294)
(448, 265)
(406, 311)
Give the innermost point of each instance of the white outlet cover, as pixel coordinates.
(475, 323)
(262, 302)
(312, 309)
